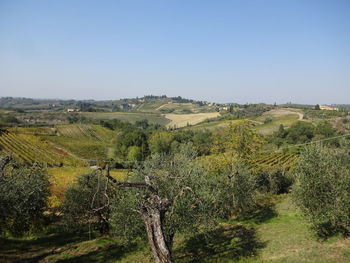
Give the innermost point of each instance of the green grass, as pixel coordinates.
(84, 148)
(270, 127)
(289, 239)
(275, 234)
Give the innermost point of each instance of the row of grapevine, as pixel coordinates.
(277, 160)
(30, 149)
(78, 131)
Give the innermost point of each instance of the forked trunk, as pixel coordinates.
(153, 214)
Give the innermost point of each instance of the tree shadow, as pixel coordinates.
(106, 254)
(19, 250)
(32, 250)
(225, 243)
(260, 215)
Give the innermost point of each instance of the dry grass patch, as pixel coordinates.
(181, 120)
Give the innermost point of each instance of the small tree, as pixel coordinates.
(87, 203)
(23, 197)
(239, 141)
(160, 142)
(322, 189)
(170, 194)
(235, 190)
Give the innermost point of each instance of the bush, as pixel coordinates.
(322, 189)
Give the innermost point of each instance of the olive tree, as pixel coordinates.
(87, 203)
(322, 189)
(24, 192)
(167, 195)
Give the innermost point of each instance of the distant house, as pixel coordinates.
(72, 110)
(325, 107)
(223, 108)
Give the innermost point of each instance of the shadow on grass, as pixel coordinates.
(109, 253)
(225, 243)
(260, 215)
(21, 250)
(32, 250)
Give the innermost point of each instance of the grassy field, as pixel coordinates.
(182, 120)
(279, 116)
(287, 238)
(278, 234)
(128, 116)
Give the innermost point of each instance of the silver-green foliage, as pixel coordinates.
(235, 190)
(176, 178)
(87, 203)
(23, 198)
(322, 188)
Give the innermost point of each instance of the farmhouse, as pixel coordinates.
(72, 110)
(325, 107)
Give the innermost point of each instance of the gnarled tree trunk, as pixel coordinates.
(153, 211)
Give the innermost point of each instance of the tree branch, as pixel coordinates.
(127, 184)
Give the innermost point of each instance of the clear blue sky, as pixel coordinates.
(223, 51)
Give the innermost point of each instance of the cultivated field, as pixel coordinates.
(182, 120)
(32, 149)
(128, 116)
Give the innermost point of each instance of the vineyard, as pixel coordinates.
(82, 131)
(276, 160)
(265, 162)
(30, 149)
